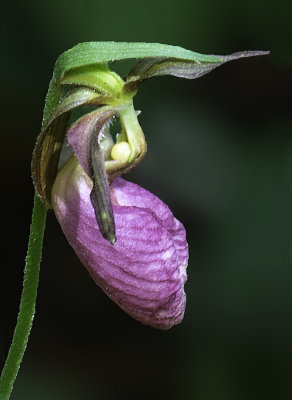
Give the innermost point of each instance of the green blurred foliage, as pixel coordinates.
(219, 155)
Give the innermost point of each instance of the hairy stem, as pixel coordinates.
(28, 299)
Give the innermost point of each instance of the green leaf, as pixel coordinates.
(89, 53)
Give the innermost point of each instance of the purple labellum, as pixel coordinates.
(145, 270)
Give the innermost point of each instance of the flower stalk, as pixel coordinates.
(28, 299)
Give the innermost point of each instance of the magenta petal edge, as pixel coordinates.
(144, 272)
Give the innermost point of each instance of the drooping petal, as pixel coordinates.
(145, 270)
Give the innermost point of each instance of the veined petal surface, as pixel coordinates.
(145, 270)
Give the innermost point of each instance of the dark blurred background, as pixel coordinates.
(219, 155)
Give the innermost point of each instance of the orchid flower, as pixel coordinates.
(128, 239)
(145, 270)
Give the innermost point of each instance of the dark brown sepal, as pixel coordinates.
(50, 141)
(85, 137)
(148, 67)
(100, 194)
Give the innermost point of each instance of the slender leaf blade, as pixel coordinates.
(148, 67)
(89, 53)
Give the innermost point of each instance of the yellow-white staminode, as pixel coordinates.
(121, 151)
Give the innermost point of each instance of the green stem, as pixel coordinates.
(28, 300)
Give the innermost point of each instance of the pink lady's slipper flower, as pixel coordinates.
(128, 240)
(145, 270)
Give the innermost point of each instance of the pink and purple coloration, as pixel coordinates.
(145, 270)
